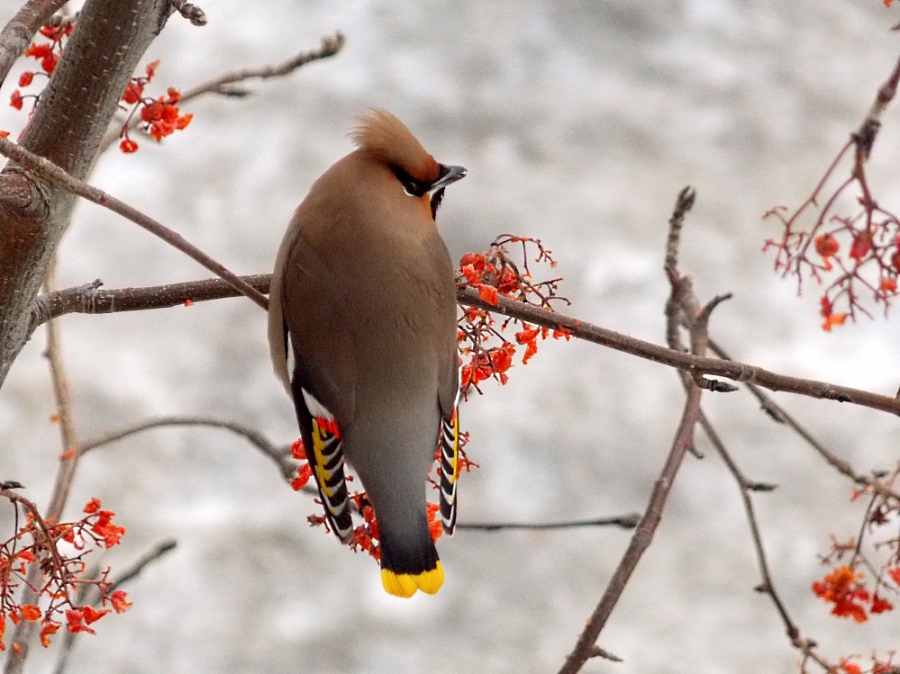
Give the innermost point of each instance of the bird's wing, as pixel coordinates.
(322, 441)
(448, 443)
(321, 368)
(449, 468)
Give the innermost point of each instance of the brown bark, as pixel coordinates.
(73, 113)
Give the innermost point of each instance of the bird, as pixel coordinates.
(363, 335)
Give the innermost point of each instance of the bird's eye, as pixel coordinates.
(411, 186)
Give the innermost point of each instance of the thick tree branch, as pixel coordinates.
(92, 299)
(66, 128)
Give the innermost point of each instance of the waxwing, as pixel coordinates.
(362, 332)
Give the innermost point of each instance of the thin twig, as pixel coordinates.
(779, 414)
(804, 645)
(868, 130)
(629, 521)
(135, 570)
(69, 436)
(681, 294)
(640, 540)
(145, 298)
(53, 174)
(24, 632)
(330, 45)
(281, 456)
(192, 13)
(684, 311)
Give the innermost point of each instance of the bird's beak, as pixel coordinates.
(449, 174)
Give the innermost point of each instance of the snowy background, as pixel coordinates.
(578, 122)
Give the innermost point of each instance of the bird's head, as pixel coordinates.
(387, 138)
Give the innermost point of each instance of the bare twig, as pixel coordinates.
(868, 130)
(152, 555)
(628, 521)
(804, 645)
(225, 85)
(69, 458)
(24, 632)
(640, 540)
(683, 204)
(58, 177)
(684, 312)
(146, 298)
(780, 415)
(280, 455)
(682, 295)
(18, 33)
(329, 45)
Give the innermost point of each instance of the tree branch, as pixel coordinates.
(681, 295)
(59, 178)
(330, 45)
(91, 299)
(66, 128)
(18, 33)
(804, 645)
(640, 541)
(87, 299)
(281, 456)
(629, 521)
(24, 632)
(779, 414)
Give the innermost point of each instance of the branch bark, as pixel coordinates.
(90, 299)
(66, 129)
(18, 33)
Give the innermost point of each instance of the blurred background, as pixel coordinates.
(579, 123)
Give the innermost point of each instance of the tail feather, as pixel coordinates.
(408, 565)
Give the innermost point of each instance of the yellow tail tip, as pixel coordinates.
(405, 584)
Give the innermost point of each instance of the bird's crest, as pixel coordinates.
(384, 135)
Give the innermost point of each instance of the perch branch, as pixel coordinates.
(78, 300)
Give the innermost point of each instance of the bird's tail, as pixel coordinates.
(408, 566)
